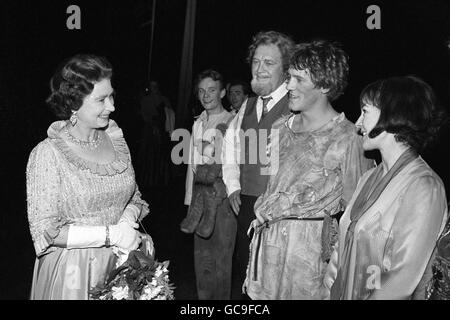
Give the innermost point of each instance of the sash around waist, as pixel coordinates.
(268, 223)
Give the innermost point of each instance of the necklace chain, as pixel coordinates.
(84, 144)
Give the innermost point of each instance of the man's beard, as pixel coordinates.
(261, 89)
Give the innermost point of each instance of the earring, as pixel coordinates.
(73, 119)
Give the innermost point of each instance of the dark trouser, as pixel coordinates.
(213, 256)
(241, 252)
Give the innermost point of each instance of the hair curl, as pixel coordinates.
(326, 63)
(409, 110)
(74, 80)
(284, 43)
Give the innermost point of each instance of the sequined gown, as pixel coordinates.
(317, 172)
(63, 189)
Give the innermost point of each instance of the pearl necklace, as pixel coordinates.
(91, 145)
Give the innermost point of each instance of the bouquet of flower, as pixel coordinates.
(137, 276)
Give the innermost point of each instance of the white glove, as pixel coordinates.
(86, 237)
(123, 236)
(130, 215)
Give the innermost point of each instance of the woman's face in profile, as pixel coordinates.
(97, 106)
(366, 122)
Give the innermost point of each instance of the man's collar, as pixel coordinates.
(279, 93)
(204, 115)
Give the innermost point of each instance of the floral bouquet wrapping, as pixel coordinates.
(137, 276)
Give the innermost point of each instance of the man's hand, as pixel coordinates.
(261, 218)
(235, 201)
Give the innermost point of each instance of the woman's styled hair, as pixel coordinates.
(74, 80)
(408, 108)
(326, 63)
(282, 41)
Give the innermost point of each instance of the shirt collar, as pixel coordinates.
(278, 94)
(204, 116)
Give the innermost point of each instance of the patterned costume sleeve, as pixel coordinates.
(332, 269)
(43, 183)
(355, 164)
(140, 203)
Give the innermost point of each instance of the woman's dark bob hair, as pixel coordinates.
(74, 80)
(408, 108)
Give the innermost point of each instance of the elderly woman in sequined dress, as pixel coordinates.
(81, 192)
(389, 230)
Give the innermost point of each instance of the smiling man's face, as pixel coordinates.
(267, 69)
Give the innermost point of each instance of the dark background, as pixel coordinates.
(34, 40)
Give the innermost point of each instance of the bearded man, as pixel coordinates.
(269, 56)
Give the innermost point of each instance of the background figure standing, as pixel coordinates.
(269, 59)
(320, 161)
(154, 152)
(81, 192)
(209, 216)
(237, 93)
(437, 276)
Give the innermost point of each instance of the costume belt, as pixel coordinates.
(259, 229)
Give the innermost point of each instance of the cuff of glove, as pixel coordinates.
(133, 210)
(86, 237)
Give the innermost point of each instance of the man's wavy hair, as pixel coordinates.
(326, 63)
(284, 43)
(209, 73)
(408, 108)
(74, 80)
